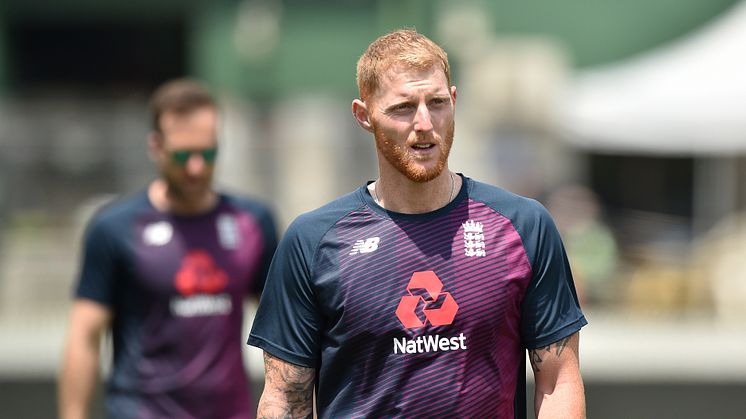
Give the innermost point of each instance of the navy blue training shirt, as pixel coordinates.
(175, 286)
(419, 315)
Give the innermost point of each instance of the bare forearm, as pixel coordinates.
(79, 374)
(288, 390)
(566, 401)
(78, 379)
(559, 386)
(278, 408)
(290, 403)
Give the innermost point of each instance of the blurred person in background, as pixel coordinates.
(167, 270)
(419, 293)
(590, 243)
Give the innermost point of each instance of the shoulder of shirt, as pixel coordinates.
(113, 215)
(314, 224)
(120, 208)
(245, 203)
(518, 209)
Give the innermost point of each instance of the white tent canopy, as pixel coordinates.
(688, 98)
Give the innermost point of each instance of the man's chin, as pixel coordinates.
(190, 193)
(422, 174)
(422, 171)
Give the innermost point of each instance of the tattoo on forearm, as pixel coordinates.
(288, 390)
(539, 354)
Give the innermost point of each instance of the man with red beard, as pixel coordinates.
(419, 294)
(166, 270)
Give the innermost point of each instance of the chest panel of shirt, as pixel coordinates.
(446, 292)
(366, 267)
(179, 320)
(206, 255)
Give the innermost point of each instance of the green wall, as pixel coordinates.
(317, 50)
(321, 40)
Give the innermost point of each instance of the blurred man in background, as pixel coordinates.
(167, 271)
(590, 243)
(418, 294)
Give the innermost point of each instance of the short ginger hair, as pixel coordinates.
(405, 47)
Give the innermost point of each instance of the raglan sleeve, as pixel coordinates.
(550, 309)
(98, 268)
(288, 320)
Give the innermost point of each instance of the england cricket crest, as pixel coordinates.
(228, 232)
(474, 239)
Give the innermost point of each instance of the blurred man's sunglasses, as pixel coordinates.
(181, 157)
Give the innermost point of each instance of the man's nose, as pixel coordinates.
(422, 120)
(196, 164)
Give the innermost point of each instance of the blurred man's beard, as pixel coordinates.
(185, 193)
(400, 155)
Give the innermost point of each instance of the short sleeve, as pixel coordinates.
(288, 320)
(550, 309)
(97, 277)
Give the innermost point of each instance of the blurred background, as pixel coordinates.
(626, 119)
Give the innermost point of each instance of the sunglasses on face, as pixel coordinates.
(181, 157)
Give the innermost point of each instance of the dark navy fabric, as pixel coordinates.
(419, 315)
(176, 286)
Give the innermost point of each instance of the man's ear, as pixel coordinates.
(362, 115)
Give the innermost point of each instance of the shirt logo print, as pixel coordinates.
(474, 239)
(199, 274)
(426, 300)
(365, 246)
(201, 284)
(228, 232)
(158, 233)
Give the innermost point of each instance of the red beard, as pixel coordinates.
(399, 156)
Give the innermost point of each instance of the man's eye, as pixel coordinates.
(402, 107)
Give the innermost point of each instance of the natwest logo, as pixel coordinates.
(202, 284)
(426, 300)
(200, 274)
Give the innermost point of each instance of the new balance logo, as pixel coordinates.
(365, 246)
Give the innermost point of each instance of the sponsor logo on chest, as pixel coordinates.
(429, 343)
(201, 284)
(427, 303)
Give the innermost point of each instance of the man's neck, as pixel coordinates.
(400, 194)
(165, 200)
